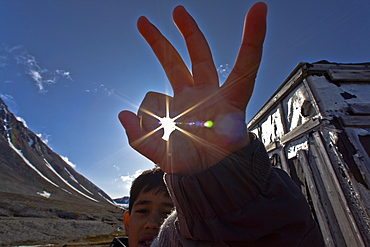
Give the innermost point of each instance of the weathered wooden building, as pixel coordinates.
(316, 126)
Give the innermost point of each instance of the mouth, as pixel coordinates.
(146, 241)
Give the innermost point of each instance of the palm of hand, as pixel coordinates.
(192, 143)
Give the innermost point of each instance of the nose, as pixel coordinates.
(154, 221)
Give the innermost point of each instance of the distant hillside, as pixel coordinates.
(37, 183)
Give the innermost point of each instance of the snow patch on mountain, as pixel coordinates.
(66, 182)
(19, 152)
(70, 175)
(44, 194)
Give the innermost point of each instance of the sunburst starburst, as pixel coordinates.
(169, 125)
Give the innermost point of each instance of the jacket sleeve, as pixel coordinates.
(242, 199)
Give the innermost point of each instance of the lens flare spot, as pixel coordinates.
(208, 124)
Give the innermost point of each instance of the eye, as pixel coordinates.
(165, 214)
(142, 211)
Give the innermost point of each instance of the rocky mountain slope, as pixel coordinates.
(42, 198)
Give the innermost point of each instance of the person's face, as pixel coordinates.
(147, 215)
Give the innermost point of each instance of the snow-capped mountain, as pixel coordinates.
(28, 166)
(43, 199)
(123, 201)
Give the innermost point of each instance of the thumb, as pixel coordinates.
(142, 141)
(131, 123)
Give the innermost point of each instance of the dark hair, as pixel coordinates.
(147, 181)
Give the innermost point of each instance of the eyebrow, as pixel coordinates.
(168, 204)
(145, 202)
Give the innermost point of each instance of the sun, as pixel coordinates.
(168, 125)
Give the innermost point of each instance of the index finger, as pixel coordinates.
(172, 63)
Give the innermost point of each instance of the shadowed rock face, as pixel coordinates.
(43, 199)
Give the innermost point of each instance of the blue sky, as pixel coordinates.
(69, 67)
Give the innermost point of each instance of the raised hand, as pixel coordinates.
(198, 98)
